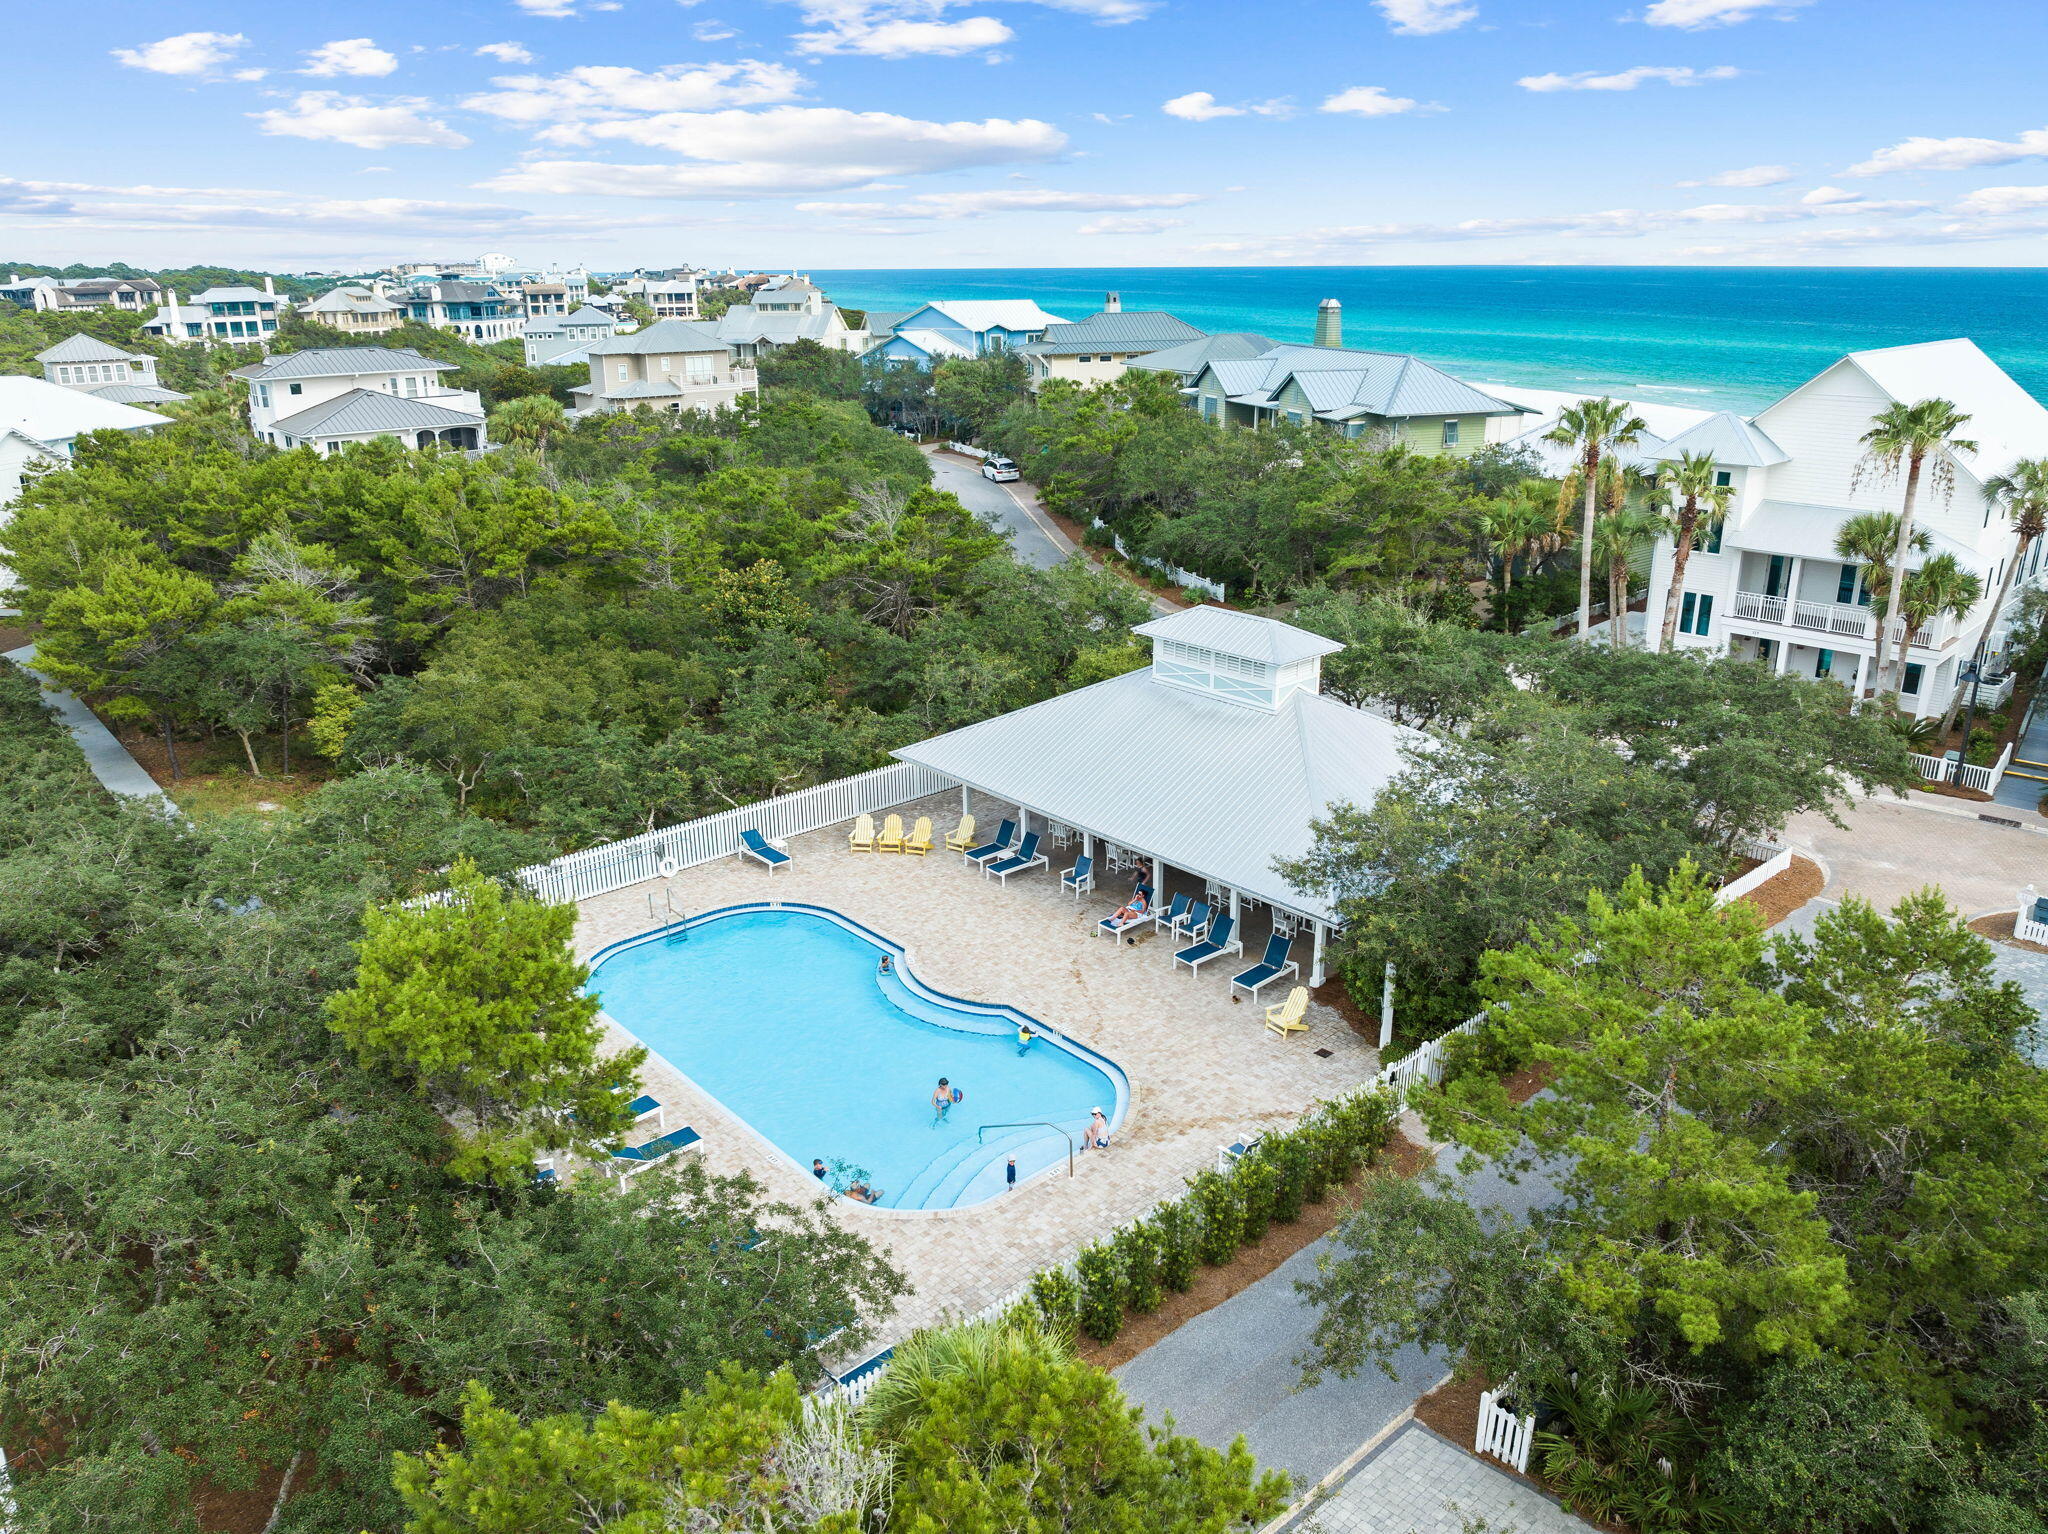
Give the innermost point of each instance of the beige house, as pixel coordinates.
(671, 365)
(353, 311)
(1098, 349)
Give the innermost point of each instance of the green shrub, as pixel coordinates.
(1137, 1250)
(1485, 1051)
(1316, 1139)
(1102, 537)
(1057, 1299)
(1102, 1293)
(1176, 1226)
(1216, 1201)
(1289, 1160)
(1256, 1183)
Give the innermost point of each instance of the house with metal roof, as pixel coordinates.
(1769, 583)
(328, 397)
(951, 327)
(1186, 359)
(671, 365)
(476, 311)
(566, 341)
(129, 295)
(1097, 348)
(1215, 760)
(789, 309)
(111, 372)
(354, 311)
(233, 315)
(40, 424)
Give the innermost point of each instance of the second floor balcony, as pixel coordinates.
(1841, 620)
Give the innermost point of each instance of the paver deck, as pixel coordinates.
(1202, 1071)
(1418, 1483)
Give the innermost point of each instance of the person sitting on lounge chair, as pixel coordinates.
(1140, 905)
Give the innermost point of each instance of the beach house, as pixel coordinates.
(328, 397)
(788, 309)
(949, 327)
(564, 342)
(1771, 584)
(1097, 348)
(111, 372)
(476, 311)
(671, 365)
(354, 311)
(233, 315)
(41, 421)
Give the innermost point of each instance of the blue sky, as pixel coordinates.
(931, 133)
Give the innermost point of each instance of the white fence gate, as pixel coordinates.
(1939, 769)
(1502, 1434)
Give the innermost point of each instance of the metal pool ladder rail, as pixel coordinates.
(674, 922)
(1035, 1124)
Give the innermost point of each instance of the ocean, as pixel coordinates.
(1718, 337)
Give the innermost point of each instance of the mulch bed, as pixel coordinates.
(1336, 995)
(1212, 1286)
(1999, 930)
(1778, 898)
(1954, 791)
(13, 636)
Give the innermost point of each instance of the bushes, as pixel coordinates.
(1102, 1292)
(1221, 1224)
(1176, 1229)
(1256, 1183)
(1057, 1299)
(1137, 1250)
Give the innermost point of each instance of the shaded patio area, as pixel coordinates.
(1202, 1070)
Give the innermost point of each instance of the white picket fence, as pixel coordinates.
(1773, 864)
(657, 854)
(1501, 1433)
(2024, 926)
(1174, 573)
(1939, 769)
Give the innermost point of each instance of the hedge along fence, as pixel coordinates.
(1135, 1268)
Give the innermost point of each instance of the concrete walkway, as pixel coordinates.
(1417, 1482)
(2023, 785)
(118, 772)
(1232, 1370)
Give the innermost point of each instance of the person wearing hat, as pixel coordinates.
(1097, 1135)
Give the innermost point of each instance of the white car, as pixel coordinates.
(998, 468)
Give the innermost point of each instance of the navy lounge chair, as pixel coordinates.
(1195, 923)
(1174, 914)
(1005, 834)
(1221, 940)
(628, 1159)
(1028, 856)
(1267, 970)
(754, 845)
(1080, 878)
(644, 1108)
(1109, 926)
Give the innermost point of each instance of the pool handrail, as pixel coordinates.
(1033, 1124)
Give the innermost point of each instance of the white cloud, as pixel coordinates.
(1627, 79)
(359, 121)
(1953, 153)
(1201, 107)
(902, 39)
(1748, 176)
(781, 151)
(1131, 225)
(505, 53)
(1697, 15)
(951, 205)
(592, 92)
(248, 74)
(1998, 201)
(712, 32)
(188, 53)
(1822, 196)
(1367, 101)
(349, 56)
(556, 9)
(1421, 18)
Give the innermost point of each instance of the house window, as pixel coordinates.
(263, 395)
(1450, 434)
(412, 388)
(1850, 588)
(622, 372)
(295, 388)
(665, 365)
(1713, 543)
(1913, 673)
(1723, 479)
(1774, 577)
(698, 370)
(1696, 614)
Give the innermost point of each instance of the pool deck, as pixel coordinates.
(1202, 1071)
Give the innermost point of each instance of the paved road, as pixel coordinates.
(1231, 1370)
(1892, 848)
(1011, 506)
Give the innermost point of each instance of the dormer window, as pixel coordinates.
(1232, 677)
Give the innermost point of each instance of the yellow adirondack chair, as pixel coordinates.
(862, 837)
(1291, 1016)
(891, 839)
(920, 841)
(961, 837)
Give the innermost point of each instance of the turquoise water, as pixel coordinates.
(784, 1017)
(1719, 337)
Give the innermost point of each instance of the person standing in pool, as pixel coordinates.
(887, 968)
(942, 1097)
(1025, 1037)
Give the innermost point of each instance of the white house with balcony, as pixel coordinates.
(331, 396)
(1770, 585)
(233, 316)
(566, 342)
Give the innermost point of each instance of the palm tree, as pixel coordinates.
(1621, 532)
(2023, 490)
(528, 421)
(1941, 588)
(1870, 539)
(1691, 499)
(1515, 525)
(1908, 435)
(1592, 428)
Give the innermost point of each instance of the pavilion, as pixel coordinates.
(1217, 759)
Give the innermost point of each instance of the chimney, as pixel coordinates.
(1330, 323)
(1112, 303)
(270, 286)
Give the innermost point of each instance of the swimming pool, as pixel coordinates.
(784, 1015)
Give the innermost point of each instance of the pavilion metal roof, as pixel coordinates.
(1218, 789)
(1234, 633)
(362, 411)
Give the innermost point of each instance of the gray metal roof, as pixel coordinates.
(1391, 384)
(881, 322)
(1122, 330)
(1214, 788)
(745, 323)
(664, 336)
(362, 412)
(138, 394)
(83, 348)
(1189, 357)
(340, 362)
(1267, 640)
(1729, 439)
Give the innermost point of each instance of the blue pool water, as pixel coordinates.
(783, 1016)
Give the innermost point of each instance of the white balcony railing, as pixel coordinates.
(1840, 619)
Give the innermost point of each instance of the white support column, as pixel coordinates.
(1233, 908)
(1387, 1006)
(1158, 880)
(1315, 972)
(1862, 665)
(1087, 844)
(1792, 587)
(966, 800)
